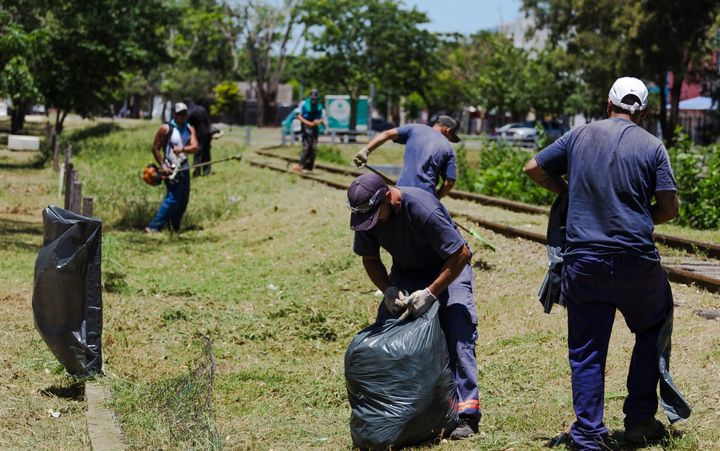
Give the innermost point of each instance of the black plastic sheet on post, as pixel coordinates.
(67, 296)
(399, 383)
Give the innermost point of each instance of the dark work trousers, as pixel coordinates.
(594, 287)
(309, 139)
(458, 319)
(175, 202)
(203, 154)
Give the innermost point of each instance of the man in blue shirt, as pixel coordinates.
(614, 170)
(429, 156)
(430, 262)
(310, 116)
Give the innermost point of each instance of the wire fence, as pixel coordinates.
(184, 403)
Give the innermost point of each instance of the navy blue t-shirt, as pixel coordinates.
(614, 168)
(420, 237)
(428, 156)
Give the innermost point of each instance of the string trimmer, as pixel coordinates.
(154, 177)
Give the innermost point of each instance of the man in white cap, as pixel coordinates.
(429, 156)
(614, 169)
(173, 142)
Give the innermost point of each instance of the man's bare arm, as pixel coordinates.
(538, 175)
(381, 138)
(305, 121)
(666, 206)
(157, 149)
(446, 187)
(377, 272)
(451, 269)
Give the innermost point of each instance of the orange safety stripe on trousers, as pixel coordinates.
(471, 404)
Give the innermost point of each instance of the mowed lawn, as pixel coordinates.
(265, 270)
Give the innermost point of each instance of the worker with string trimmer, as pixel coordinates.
(173, 142)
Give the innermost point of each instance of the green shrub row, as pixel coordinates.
(498, 171)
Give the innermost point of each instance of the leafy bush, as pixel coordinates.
(697, 172)
(331, 154)
(499, 172)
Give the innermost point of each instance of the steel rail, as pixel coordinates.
(695, 247)
(675, 273)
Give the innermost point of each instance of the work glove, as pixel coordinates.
(420, 301)
(395, 300)
(361, 157)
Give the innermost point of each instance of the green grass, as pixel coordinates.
(264, 268)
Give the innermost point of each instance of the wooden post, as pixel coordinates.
(87, 207)
(333, 136)
(76, 200)
(69, 178)
(56, 152)
(247, 135)
(68, 154)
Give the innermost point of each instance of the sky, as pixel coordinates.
(467, 16)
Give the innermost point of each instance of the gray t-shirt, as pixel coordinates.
(428, 157)
(614, 168)
(420, 237)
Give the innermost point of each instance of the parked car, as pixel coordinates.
(525, 133)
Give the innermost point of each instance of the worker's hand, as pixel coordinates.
(165, 169)
(178, 149)
(420, 301)
(395, 300)
(317, 122)
(361, 157)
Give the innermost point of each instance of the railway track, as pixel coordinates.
(696, 247)
(702, 275)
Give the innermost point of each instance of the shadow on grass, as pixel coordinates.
(96, 131)
(38, 162)
(615, 442)
(13, 234)
(482, 265)
(74, 391)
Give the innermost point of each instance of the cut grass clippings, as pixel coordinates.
(264, 268)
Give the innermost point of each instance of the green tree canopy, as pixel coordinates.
(357, 42)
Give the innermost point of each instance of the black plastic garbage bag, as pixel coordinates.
(67, 297)
(399, 383)
(549, 292)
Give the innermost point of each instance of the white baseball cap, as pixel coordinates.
(180, 107)
(625, 86)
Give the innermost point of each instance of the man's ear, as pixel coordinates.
(641, 115)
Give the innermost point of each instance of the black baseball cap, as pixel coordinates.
(365, 195)
(452, 124)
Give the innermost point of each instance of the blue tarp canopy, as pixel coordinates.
(697, 104)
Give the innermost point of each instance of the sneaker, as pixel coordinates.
(467, 427)
(151, 230)
(644, 431)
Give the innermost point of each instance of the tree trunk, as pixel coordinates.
(59, 121)
(260, 110)
(675, 105)
(353, 111)
(17, 116)
(663, 108)
(135, 106)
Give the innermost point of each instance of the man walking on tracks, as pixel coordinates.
(310, 116)
(614, 169)
(430, 262)
(173, 142)
(429, 156)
